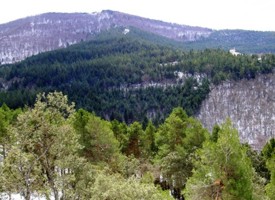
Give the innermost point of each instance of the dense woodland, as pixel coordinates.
(127, 77)
(51, 149)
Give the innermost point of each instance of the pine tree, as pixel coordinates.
(43, 156)
(269, 156)
(222, 169)
(148, 140)
(177, 139)
(96, 137)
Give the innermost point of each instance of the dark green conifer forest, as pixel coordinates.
(127, 78)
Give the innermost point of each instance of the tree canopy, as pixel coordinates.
(222, 169)
(54, 151)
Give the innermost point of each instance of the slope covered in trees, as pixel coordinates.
(243, 40)
(51, 149)
(126, 77)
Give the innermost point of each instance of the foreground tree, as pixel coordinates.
(43, 156)
(96, 137)
(21, 174)
(170, 134)
(120, 132)
(270, 187)
(149, 140)
(269, 156)
(222, 169)
(135, 134)
(7, 117)
(177, 140)
(114, 186)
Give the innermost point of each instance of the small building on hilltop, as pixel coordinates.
(234, 52)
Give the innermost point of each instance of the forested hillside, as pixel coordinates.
(146, 140)
(126, 77)
(243, 40)
(119, 115)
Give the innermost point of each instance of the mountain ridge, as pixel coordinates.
(29, 36)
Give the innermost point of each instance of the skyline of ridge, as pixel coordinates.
(212, 14)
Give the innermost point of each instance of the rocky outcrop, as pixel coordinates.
(250, 104)
(29, 36)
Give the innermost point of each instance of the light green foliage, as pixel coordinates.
(21, 173)
(51, 149)
(120, 132)
(85, 176)
(7, 117)
(269, 155)
(172, 132)
(195, 135)
(270, 187)
(102, 139)
(96, 137)
(112, 187)
(46, 145)
(177, 139)
(130, 166)
(222, 169)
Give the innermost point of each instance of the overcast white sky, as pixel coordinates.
(216, 14)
